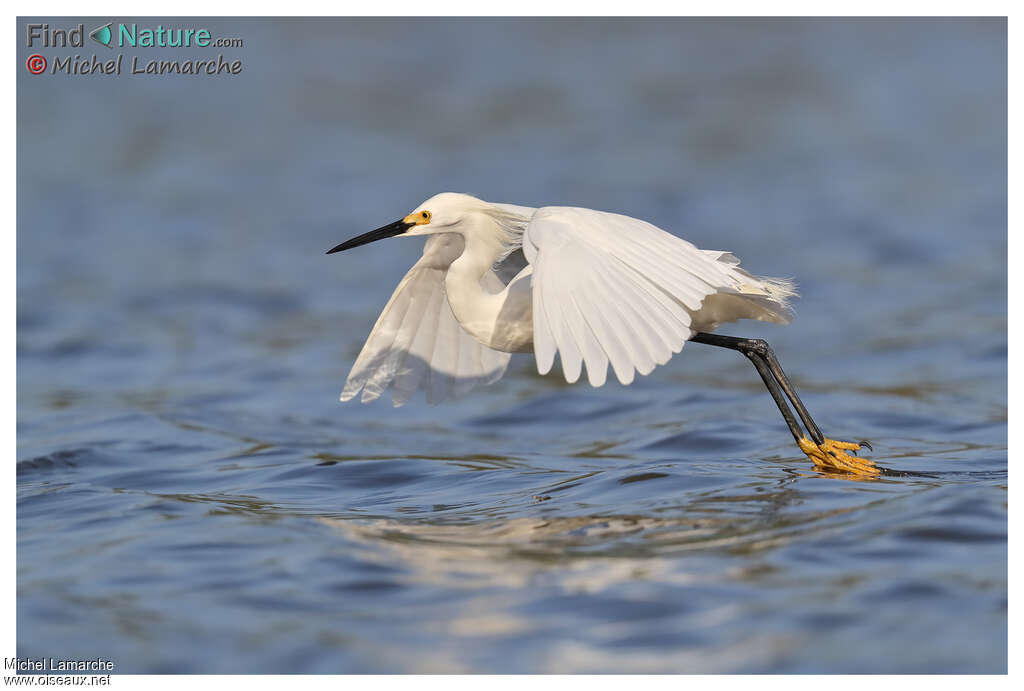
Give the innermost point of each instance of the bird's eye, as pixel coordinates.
(425, 215)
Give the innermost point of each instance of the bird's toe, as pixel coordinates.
(831, 455)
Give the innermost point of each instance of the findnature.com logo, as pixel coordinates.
(128, 36)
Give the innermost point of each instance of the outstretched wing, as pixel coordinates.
(418, 344)
(613, 289)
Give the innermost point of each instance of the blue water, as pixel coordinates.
(193, 498)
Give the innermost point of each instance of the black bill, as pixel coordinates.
(388, 231)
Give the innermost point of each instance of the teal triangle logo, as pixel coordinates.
(101, 35)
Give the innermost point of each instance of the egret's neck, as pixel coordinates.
(478, 299)
(466, 292)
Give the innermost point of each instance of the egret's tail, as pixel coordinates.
(751, 297)
(775, 291)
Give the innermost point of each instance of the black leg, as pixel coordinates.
(825, 453)
(780, 376)
(760, 353)
(780, 400)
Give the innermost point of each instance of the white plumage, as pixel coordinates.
(417, 342)
(595, 288)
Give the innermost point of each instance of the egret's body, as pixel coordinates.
(596, 288)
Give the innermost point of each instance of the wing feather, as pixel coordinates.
(593, 354)
(571, 323)
(414, 373)
(642, 341)
(611, 337)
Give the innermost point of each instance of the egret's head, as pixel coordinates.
(439, 214)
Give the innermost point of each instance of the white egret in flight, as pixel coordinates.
(595, 287)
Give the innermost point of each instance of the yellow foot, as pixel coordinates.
(831, 455)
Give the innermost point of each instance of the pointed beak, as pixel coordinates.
(388, 231)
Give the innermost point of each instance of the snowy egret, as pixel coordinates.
(595, 287)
